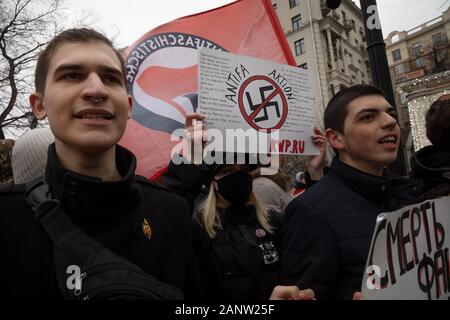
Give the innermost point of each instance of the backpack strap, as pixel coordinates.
(115, 276)
(47, 210)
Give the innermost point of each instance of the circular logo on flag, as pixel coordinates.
(162, 79)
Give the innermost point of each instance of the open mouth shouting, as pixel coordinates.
(389, 140)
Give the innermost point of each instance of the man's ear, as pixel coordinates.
(335, 139)
(37, 105)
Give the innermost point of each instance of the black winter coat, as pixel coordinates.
(242, 261)
(110, 212)
(328, 229)
(432, 166)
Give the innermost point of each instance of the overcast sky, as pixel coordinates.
(127, 20)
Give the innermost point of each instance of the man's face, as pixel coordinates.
(85, 99)
(371, 135)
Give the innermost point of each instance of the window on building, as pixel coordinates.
(441, 55)
(438, 39)
(299, 47)
(420, 62)
(296, 22)
(417, 48)
(303, 66)
(293, 3)
(396, 55)
(400, 68)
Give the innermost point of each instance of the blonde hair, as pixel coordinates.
(208, 215)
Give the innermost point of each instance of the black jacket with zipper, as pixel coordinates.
(112, 213)
(242, 261)
(328, 229)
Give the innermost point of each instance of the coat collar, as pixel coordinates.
(432, 166)
(388, 192)
(88, 198)
(430, 162)
(239, 214)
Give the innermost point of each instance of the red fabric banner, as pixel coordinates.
(162, 71)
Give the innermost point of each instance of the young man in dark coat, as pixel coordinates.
(431, 164)
(327, 231)
(80, 88)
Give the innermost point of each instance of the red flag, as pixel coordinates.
(162, 71)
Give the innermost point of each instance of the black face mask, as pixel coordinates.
(236, 188)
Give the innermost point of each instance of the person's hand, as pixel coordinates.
(195, 132)
(291, 293)
(193, 123)
(357, 295)
(314, 164)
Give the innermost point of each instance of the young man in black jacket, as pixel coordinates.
(328, 229)
(431, 164)
(80, 88)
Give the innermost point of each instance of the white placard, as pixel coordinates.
(409, 254)
(261, 98)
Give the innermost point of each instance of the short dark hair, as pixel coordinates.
(438, 124)
(69, 35)
(337, 108)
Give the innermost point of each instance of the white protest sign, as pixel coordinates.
(270, 104)
(409, 254)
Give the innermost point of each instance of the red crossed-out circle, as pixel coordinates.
(249, 118)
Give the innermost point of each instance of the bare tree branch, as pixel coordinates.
(13, 119)
(25, 27)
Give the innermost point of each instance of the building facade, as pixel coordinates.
(419, 63)
(329, 43)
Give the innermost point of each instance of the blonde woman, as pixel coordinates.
(235, 239)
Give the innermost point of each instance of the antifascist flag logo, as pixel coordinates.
(157, 73)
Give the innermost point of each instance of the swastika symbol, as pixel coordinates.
(262, 92)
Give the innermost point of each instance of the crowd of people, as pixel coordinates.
(204, 232)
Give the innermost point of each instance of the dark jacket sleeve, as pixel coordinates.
(276, 221)
(309, 251)
(185, 179)
(208, 264)
(310, 182)
(194, 288)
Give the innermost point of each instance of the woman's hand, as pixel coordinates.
(314, 164)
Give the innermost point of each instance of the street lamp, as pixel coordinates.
(332, 4)
(376, 49)
(327, 5)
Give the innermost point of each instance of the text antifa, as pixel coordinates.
(239, 74)
(433, 265)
